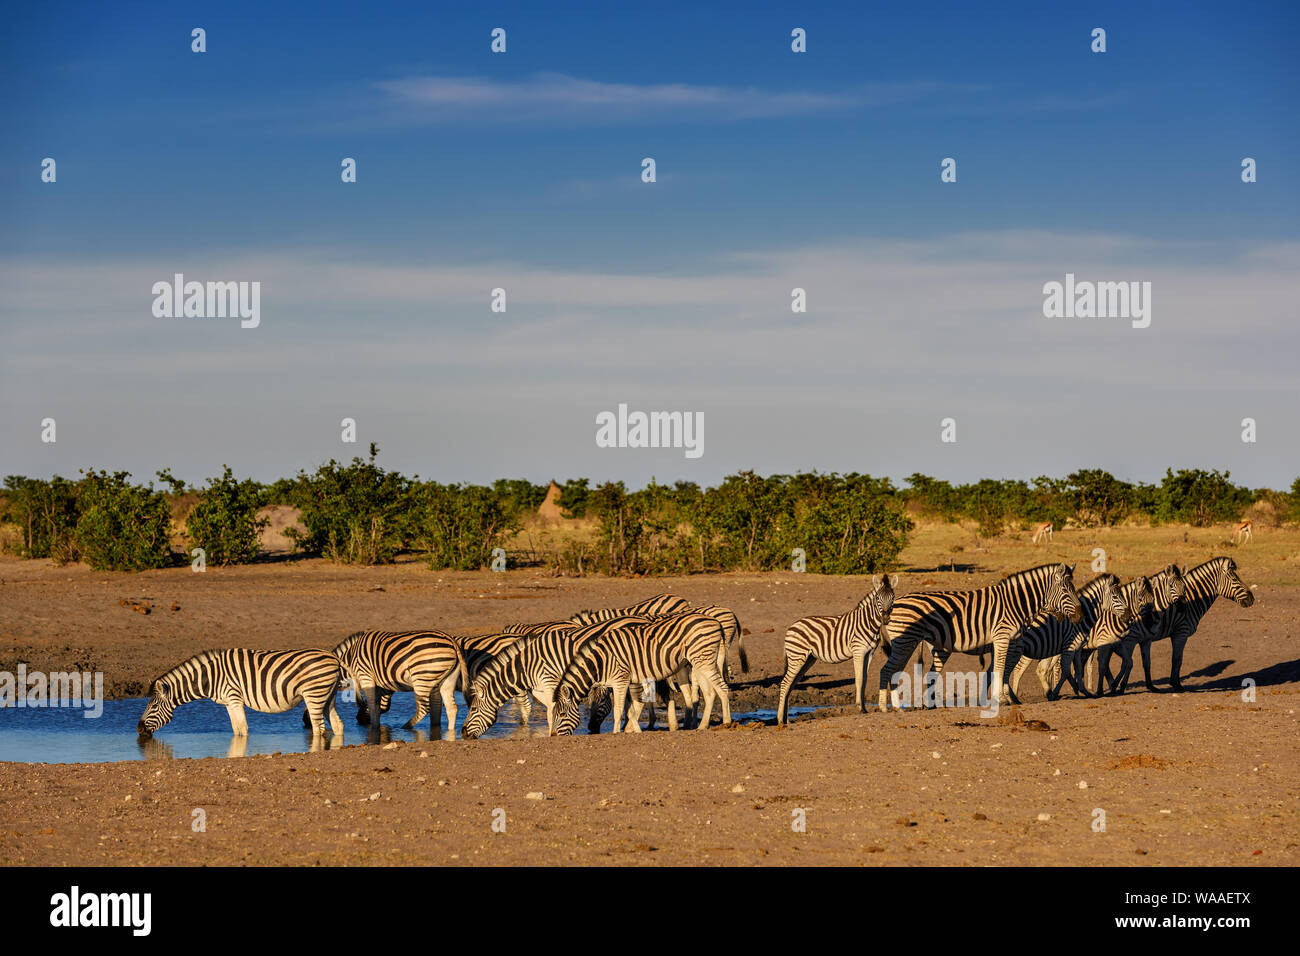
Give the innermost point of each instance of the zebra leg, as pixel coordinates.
(1018, 668)
(1146, 669)
(795, 668)
(899, 654)
(336, 722)
(1044, 670)
(938, 661)
(723, 692)
(525, 709)
(1176, 663)
(315, 709)
(859, 676)
(447, 690)
(238, 722)
(619, 693)
(707, 691)
(1001, 647)
(634, 707)
(1120, 683)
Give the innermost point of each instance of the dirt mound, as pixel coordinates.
(549, 511)
(1140, 760)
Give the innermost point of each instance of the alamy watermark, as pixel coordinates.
(208, 300)
(626, 429)
(81, 689)
(1098, 300)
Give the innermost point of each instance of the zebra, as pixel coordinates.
(385, 661)
(661, 605)
(269, 681)
(1202, 585)
(1107, 609)
(731, 633)
(1167, 586)
(532, 665)
(832, 639)
(479, 650)
(645, 652)
(969, 620)
(679, 682)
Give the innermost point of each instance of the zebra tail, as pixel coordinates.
(744, 658)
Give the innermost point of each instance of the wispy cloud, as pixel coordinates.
(554, 95)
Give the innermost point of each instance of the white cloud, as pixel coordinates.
(547, 96)
(912, 330)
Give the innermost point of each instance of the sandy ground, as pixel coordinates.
(935, 787)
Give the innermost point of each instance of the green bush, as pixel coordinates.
(122, 527)
(1200, 498)
(353, 514)
(46, 513)
(460, 525)
(224, 523)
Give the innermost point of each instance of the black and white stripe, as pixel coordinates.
(269, 681)
(651, 651)
(1178, 621)
(533, 665)
(1167, 588)
(1106, 606)
(661, 605)
(971, 620)
(387, 661)
(834, 638)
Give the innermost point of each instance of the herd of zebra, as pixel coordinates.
(665, 647)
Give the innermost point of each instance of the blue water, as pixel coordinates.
(202, 729)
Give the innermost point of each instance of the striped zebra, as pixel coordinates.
(969, 620)
(661, 605)
(387, 661)
(1107, 608)
(1202, 586)
(269, 681)
(646, 652)
(479, 650)
(1167, 587)
(731, 634)
(836, 638)
(679, 682)
(533, 665)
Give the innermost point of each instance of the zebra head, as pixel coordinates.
(1229, 585)
(1112, 599)
(880, 603)
(163, 701)
(1168, 588)
(481, 715)
(1062, 600)
(1139, 595)
(567, 713)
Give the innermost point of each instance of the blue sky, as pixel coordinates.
(775, 169)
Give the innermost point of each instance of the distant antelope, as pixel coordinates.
(1243, 533)
(1043, 529)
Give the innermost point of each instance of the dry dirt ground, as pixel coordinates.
(1198, 778)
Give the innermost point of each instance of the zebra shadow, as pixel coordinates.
(1287, 672)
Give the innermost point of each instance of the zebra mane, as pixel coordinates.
(1038, 571)
(1197, 578)
(200, 658)
(499, 661)
(346, 644)
(1095, 584)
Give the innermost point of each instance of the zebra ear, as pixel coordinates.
(877, 579)
(893, 582)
